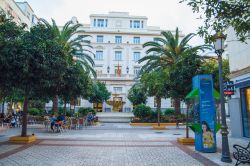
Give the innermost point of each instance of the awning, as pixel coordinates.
(195, 93)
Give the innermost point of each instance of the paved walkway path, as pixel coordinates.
(106, 145)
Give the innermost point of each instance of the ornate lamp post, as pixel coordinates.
(219, 40)
(108, 68)
(127, 69)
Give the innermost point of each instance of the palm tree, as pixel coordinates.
(166, 51)
(76, 48)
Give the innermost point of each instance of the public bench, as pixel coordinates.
(242, 154)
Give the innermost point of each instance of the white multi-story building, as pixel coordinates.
(239, 105)
(117, 40)
(20, 11)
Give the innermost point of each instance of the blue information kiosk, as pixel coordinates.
(205, 136)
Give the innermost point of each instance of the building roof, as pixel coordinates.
(114, 14)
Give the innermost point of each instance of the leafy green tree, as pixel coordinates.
(28, 63)
(180, 77)
(167, 52)
(210, 66)
(9, 38)
(137, 95)
(75, 84)
(154, 84)
(76, 48)
(99, 93)
(220, 15)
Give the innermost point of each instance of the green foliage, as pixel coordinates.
(169, 111)
(99, 93)
(219, 15)
(61, 111)
(210, 66)
(180, 61)
(35, 111)
(75, 83)
(84, 111)
(154, 83)
(137, 95)
(142, 111)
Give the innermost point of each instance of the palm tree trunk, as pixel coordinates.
(187, 130)
(3, 106)
(158, 102)
(11, 104)
(55, 104)
(177, 106)
(24, 116)
(65, 103)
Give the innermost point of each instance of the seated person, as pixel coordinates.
(90, 118)
(52, 122)
(61, 118)
(13, 121)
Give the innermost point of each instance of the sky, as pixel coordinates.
(168, 14)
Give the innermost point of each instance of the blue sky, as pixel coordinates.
(168, 14)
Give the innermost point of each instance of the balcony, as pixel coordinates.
(116, 76)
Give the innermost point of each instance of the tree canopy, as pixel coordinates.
(220, 15)
(99, 93)
(137, 95)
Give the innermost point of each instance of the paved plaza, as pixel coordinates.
(107, 145)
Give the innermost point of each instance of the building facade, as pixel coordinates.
(117, 40)
(21, 12)
(239, 105)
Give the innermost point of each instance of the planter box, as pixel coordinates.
(22, 140)
(152, 124)
(161, 127)
(186, 141)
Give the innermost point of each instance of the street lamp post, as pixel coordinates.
(219, 49)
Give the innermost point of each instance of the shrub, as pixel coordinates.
(142, 111)
(169, 111)
(84, 111)
(35, 111)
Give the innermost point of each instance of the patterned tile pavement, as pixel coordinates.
(106, 145)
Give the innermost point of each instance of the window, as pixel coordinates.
(131, 25)
(136, 24)
(99, 55)
(98, 72)
(28, 15)
(245, 107)
(142, 24)
(118, 55)
(99, 39)
(100, 22)
(137, 56)
(94, 22)
(136, 40)
(117, 89)
(118, 39)
(136, 70)
(106, 22)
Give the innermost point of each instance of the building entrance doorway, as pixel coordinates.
(117, 106)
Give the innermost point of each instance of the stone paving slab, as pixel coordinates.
(104, 143)
(96, 156)
(8, 147)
